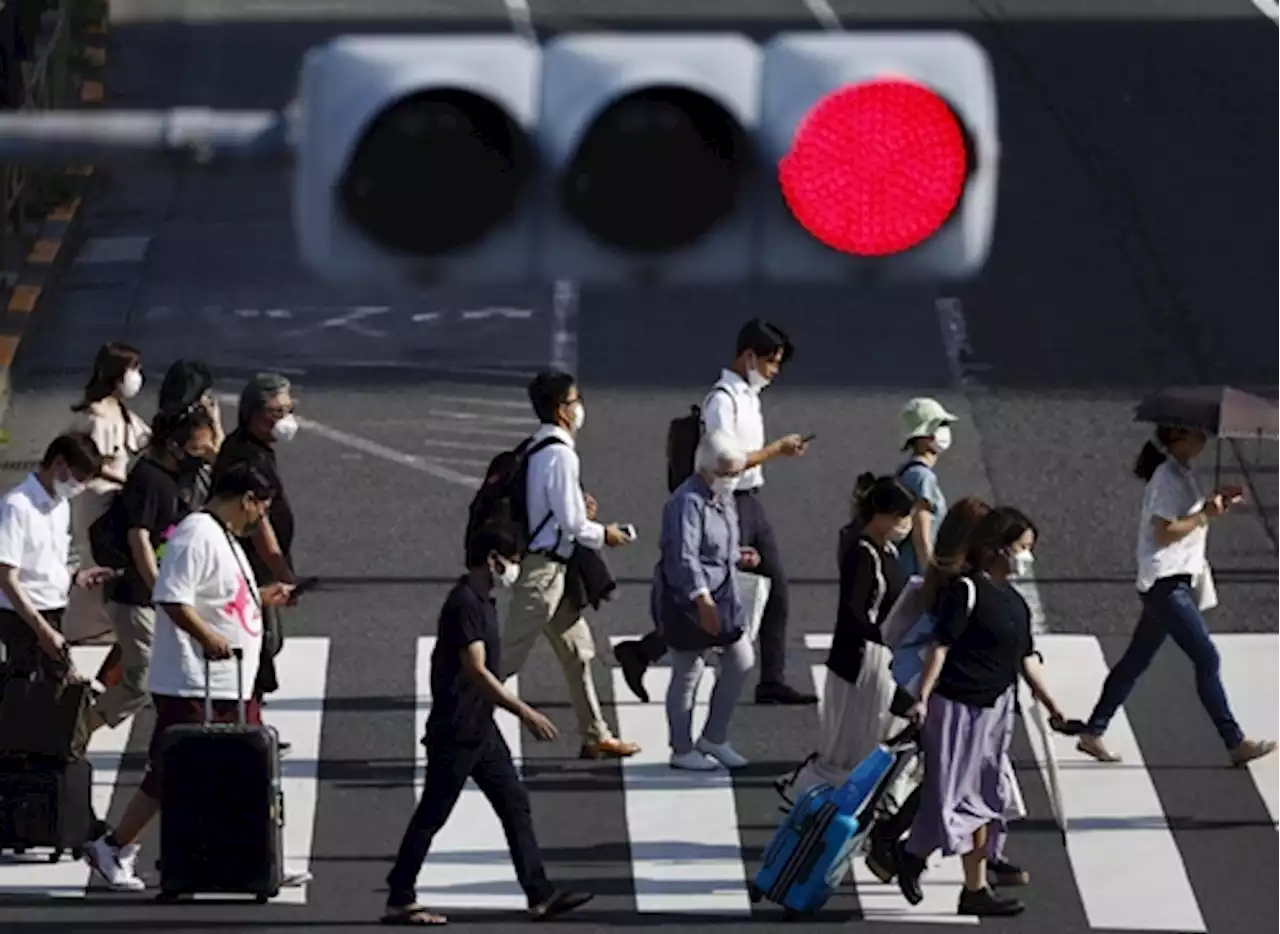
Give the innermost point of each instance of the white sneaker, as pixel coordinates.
(694, 761)
(723, 753)
(114, 867)
(294, 879)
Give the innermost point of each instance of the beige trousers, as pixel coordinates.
(135, 629)
(536, 609)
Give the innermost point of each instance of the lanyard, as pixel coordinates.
(235, 554)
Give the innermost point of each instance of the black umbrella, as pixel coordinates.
(1216, 410)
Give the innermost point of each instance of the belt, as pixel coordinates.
(751, 492)
(550, 555)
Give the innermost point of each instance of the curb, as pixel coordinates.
(49, 252)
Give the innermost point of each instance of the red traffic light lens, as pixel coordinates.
(875, 168)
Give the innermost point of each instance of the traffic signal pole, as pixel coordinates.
(198, 134)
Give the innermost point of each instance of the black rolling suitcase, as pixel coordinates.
(222, 809)
(46, 803)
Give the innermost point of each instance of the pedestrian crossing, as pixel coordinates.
(688, 845)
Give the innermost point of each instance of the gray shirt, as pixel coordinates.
(699, 550)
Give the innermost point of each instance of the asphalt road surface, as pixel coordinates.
(1136, 246)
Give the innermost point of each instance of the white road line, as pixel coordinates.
(1268, 8)
(511, 314)
(456, 429)
(373, 449)
(1251, 670)
(521, 19)
(564, 339)
(1127, 865)
(826, 16)
(880, 902)
(682, 827)
(526, 420)
(522, 404)
(297, 712)
(469, 865)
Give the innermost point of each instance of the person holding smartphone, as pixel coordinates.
(1175, 585)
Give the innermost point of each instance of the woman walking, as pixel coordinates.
(1175, 585)
(859, 688)
(967, 701)
(103, 414)
(696, 607)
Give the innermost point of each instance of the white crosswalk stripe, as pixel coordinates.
(685, 831)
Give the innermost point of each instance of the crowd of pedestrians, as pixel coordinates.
(177, 539)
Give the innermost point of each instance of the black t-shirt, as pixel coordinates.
(458, 710)
(859, 614)
(242, 447)
(151, 500)
(987, 646)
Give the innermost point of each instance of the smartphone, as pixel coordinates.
(807, 438)
(307, 583)
(629, 531)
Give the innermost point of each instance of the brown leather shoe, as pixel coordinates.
(608, 749)
(1250, 750)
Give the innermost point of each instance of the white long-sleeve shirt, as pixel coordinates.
(737, 412)
(554, 486)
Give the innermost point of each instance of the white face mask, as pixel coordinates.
(755, 379)
(509, 574)
(285, 429)
(900, 532)
(68, 489)
(579, 416)
(1021, 563)
(131, 383)
(942, 438)
(722, 487)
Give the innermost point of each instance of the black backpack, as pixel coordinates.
(683, 436)
(108, 539)
(500, 501)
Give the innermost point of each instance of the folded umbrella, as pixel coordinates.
(1216, 410)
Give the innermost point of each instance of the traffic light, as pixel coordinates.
(415, 156)
(886, 152)
(646, 145)
(661, 158)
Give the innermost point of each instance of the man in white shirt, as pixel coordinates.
(559, 516)
(733, 407)
(35, 552)
(210, 603)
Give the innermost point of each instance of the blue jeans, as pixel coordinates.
(1169, 609)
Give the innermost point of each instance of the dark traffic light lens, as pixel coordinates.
(436, 172)
(656, 170)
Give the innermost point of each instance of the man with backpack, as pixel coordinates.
(733, 407)
(537, 490)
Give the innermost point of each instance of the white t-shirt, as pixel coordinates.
(1171, 493)
(35, 538)
(205, 568)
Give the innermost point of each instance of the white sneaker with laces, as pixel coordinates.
(723, 753)
(114, 867)
(694, 761)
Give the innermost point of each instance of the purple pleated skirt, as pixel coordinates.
(964, 785)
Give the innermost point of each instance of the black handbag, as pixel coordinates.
(46, 718)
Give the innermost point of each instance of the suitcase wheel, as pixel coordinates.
(77, 852)
(262, 899)
(754, 893)
(790, 914)
(168, 898)
(55, 855)
(19, 850)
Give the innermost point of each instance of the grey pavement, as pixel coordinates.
(1135, 246)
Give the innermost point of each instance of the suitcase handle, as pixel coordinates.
(906, 735)
(238, 654)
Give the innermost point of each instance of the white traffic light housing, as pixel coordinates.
(645, 141)
(884, 149)
(415, 157)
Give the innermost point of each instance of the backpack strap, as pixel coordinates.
(528, 448)
(719, 387)
(971, 594)
(881, 585)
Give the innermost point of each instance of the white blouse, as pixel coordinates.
(1171, 493)
(118, 441)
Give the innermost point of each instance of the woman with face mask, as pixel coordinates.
(859, 688)
(696, 606)
(967, 700)
(104, 414)
(926, 434)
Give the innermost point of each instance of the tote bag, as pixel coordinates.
(909, 656)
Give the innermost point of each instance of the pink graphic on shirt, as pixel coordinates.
(240, 607)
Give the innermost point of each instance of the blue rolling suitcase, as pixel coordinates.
(825, 829)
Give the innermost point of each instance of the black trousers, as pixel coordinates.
(755, 532)
(22, 652)
(449, 765)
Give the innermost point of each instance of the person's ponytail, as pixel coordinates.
(1149, 458)
(861, 487)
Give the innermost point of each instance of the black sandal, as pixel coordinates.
(414, 914)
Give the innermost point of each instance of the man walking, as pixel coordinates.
(559, 518)
(463, 741)
(733, 407)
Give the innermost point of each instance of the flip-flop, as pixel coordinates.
(411, 915)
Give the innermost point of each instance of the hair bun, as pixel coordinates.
(866, 480)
